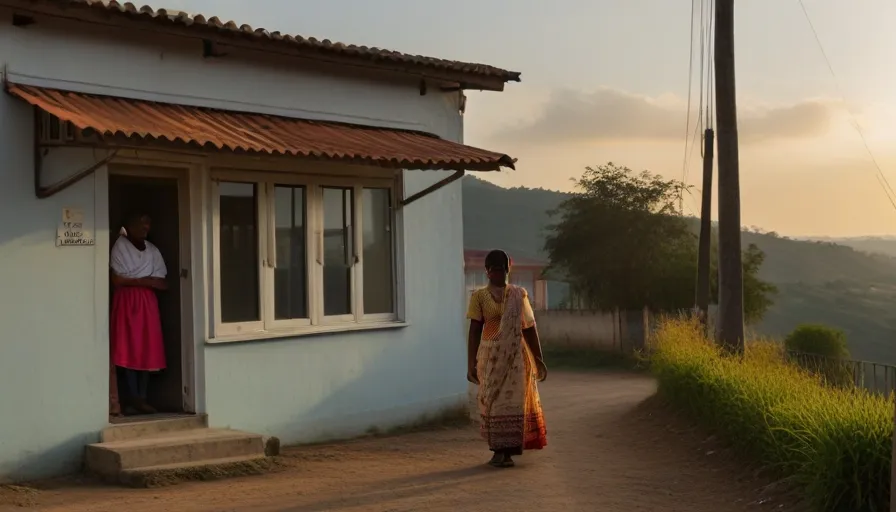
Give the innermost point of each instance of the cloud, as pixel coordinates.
(614, 115)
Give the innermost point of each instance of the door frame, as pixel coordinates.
(180, 173)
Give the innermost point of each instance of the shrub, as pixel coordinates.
(835, 444)
(819, 340)
(820, 350)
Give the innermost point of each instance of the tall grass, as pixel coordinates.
(835, 444)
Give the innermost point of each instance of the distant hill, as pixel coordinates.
(876, 245)
(838, 284)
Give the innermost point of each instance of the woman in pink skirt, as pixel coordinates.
(138, 271)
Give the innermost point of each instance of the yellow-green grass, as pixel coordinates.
(833, 443)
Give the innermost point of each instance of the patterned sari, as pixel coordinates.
(509, 406)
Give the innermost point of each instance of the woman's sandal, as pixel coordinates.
(501, 460)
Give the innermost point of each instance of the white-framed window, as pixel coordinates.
(297, 254)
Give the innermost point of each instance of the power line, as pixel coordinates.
(710, 52)
(689, 147)
(687, 129)
(881, 177)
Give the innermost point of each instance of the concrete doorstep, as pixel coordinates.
(167, 451)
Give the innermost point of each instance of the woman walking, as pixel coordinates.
(505, 360)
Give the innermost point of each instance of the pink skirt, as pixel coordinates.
(136, 330)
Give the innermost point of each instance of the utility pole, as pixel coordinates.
(731, 281)
(704, 248)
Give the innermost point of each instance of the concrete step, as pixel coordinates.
(215, 469)
(152, 427)
(177, 447)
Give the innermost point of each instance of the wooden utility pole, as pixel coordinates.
(731, 280)
(703, 255)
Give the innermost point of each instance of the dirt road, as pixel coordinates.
(607, 451)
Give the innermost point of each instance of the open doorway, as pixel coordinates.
(160, 198)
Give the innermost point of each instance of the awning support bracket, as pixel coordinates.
(42, 192)
(432, 188)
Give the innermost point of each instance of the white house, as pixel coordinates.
(303, 194)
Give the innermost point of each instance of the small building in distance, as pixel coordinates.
(526, 272)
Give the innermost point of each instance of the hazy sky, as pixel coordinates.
(607, 80)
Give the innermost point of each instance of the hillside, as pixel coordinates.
(819, 281)
(878, 245)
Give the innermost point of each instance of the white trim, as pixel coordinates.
(238, 328)
(314, 331)
(317, 322)
(180, 173)
(394, 314)
(269, 308)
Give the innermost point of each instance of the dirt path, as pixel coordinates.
(607, 451)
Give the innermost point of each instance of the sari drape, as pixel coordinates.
(509, 405)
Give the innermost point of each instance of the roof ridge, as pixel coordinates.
(375, 55)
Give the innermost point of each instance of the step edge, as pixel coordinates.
(187, 453)
(203, 462)
(120, 431)
(176, 438)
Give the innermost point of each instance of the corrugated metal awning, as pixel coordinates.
(259, 133)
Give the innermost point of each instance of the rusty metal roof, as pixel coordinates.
(378, 57)
(259, 133)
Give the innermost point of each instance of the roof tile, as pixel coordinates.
(371, 54)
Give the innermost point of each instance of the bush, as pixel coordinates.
(835, 444)
(820, 350)
(819, 340)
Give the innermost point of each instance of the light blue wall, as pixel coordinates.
(323, 387)
(54, 370)
(53, 301)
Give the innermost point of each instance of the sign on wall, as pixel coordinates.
(72, 230)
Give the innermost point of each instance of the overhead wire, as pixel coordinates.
(687, 129)
(710, 64)
(881, 177)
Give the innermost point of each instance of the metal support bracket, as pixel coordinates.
(42, 192)
(432, 188)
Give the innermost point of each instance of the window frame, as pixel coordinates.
(268, 326)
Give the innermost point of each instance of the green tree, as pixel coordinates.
(819, 340)
(621, 242)
(822, 350)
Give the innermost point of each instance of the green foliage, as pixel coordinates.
(834, 444)
(817, 282)
(821, 350)
(864, 311)
(621, 242)
(757, 292)
(819, 340)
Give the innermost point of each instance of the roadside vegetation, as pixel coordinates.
(832, 443)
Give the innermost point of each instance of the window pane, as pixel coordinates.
(338, 250)
(290, 276)
(377, 255)
(239, 252)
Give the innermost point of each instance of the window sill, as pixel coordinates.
(305, 332)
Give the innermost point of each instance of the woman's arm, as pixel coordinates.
(530, 334)
(118, 281)
(159, 271)
(474, 336)
(534, 343)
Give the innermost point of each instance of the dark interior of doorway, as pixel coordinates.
(157, 197)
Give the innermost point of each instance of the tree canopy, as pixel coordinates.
(621, 242)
